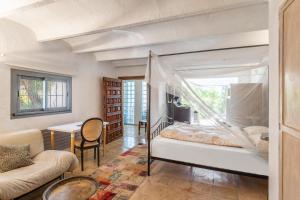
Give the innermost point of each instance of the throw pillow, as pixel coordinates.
(14, 156)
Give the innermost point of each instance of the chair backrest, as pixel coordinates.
(91, 129)
(32, 137)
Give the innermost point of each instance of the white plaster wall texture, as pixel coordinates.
(23, 51)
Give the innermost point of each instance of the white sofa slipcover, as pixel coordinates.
(47, 166)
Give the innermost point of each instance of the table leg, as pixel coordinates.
(104, 138)
(52, 140)
(72, 141)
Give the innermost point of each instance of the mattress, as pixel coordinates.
(192, 133)
(222, 157)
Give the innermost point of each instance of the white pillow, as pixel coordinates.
(255, 133)
(263, 146)
(253, 130)
(241, 136)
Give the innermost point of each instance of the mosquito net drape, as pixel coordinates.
(217, 96)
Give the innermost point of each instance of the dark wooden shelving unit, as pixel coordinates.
(113, 108)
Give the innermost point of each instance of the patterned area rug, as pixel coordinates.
(120, 178)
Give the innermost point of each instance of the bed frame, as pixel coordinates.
(151, 158)
(160, 125)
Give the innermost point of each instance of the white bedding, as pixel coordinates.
(230, 158)
(200, 134)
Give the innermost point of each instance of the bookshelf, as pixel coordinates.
(113, 108)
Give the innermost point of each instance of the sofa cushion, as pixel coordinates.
(32, 137)
(14, 156)
(47, 166)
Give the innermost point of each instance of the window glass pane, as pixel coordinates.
(52, 86)
(53, 102)
(48, 101)
(59, 101)
(144, 101)
(30, 94)
(59, 88)
(128, 102)
(57, 94)
(64, 102)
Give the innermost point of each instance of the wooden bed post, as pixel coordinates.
(149, 114)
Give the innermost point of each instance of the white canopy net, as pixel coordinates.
(215, 97)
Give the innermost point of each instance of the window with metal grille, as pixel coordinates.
(129, 101)
(34, 93)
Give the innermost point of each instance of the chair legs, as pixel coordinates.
(98, 156)
(142, 125)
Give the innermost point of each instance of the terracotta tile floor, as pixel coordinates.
(175, 182)
(169, 181)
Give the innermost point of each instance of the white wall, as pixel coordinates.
(274, 99)
(21, 49)
(131, 71)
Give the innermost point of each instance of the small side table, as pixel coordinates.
(79, 187)
(142, 124)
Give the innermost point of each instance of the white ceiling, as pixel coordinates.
(251, 56)
(209, 42)
(119, 30)
(199, 26)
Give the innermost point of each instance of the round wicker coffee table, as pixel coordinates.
(75, 188)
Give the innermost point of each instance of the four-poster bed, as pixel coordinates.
(221, 158)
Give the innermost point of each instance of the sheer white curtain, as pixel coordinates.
(179, 77)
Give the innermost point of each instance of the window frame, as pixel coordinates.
(17, 74)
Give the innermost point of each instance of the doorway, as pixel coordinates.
(134, 106)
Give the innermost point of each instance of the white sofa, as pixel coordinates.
(48, 165)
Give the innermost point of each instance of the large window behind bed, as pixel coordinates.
(240, 97)
(214, 92)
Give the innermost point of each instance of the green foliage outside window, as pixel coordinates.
(31, 94)
(214, 96)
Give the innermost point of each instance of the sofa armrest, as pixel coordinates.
(65, 160)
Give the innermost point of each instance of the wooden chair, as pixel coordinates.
(91, 132)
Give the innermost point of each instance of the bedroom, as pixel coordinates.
(55, 57)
